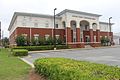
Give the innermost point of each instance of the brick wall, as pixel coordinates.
(41, 31)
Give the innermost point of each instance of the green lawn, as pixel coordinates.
(12, 68)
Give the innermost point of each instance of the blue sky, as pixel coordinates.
(107, 8)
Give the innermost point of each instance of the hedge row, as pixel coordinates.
(67, 69)
(20, 52)
(36, 48)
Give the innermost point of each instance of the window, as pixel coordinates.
(30, 18)
(81, 37)
(47, 24)
(25, 36)
(36, 36)
(23, 24)
(24, 18)
(86, 27)
(63, 23)
(94, 38)
(56, 25)
(80, 24)
(47, 36)
(57, 36)
(35, 24)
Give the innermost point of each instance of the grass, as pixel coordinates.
(68, 69)
(12, 68)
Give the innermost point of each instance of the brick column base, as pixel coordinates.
(68, 34)
(97, 35)
(77, 34)
(91, 35)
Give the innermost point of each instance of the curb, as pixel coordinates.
(72, 49)
(31, 64)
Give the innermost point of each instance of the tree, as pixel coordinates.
(5, 42)
(20, 40)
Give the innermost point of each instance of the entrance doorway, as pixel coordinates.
(73, 31)
(87, 39)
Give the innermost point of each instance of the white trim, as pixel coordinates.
(31, 64)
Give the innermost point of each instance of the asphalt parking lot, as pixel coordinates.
(110, 56)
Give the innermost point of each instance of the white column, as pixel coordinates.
(90, 26)
(77, 24)
(98, 26)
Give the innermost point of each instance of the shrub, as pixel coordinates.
(20, 52)
(59, 41)
(36, 48)
(62, 47)
(68, 69)
(20, 40)
(35, 42)
(105, 41)
(49, 41)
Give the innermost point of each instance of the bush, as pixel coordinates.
(49, 41)
(67, 69)
(34, 48)
(105, 41)
(20, 52)
(37, 48)
(20, 40)
(62, 47)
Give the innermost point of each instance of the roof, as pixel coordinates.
(106, 23)
(77, 12)
(29, 14)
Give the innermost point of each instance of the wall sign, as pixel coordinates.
(83, 17)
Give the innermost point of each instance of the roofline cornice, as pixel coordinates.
(77, 12)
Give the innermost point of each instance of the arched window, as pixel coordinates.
(84, 25)
(73, 25)
(73, 30)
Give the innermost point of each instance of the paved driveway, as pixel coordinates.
(110, 56)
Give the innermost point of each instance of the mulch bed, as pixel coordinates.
(35, 76)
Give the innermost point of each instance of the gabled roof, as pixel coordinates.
(77, 12)
(29, 14)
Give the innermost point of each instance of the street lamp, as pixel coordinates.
(110, 28)
(54, 31)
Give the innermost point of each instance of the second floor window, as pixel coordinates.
(35, 24)
(56, 25)
(23, 24)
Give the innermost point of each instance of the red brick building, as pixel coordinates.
(76, 27)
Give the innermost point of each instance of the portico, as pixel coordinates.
(82, 29)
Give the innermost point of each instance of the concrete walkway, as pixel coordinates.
(104, 55)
